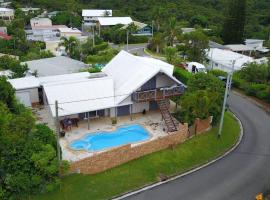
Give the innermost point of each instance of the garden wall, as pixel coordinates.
(117, 156)
(200, 126)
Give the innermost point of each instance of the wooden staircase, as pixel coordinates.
(170, 121)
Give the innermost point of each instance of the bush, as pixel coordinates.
(217, 72)
(260, 91)
(182, 75)
(94, 70)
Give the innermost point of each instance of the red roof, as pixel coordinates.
(5, 36)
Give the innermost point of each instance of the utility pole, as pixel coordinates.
(127, 39)
(228, 86)
(57, 132)
(152, 28)
(93, 36)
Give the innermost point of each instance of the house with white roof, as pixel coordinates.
(54, 66)
(90, 15)
(112, 21)
(222, 59)
(6, 14)
(127, 85)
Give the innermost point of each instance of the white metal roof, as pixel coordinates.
(55, 66)
(81, 96)
(111, 21)
(130, 72)
(24, 83)
(69, 30)
(198, 65)
(226, 57)
(6, 10)
(95, 13)
(239, 47)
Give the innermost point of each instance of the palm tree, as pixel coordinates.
(70, 44)
(172, 30)
(157, 41)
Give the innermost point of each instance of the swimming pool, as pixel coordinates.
(105, 140)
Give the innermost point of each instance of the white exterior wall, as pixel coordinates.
(112, 112)
(163, 80)
(33, 92)
(139, 107)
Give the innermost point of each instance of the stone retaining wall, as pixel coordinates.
(203, 125)
(117, 156)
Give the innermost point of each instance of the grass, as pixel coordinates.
(154, 54)
(146, 170)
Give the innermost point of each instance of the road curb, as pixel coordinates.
(190, 171)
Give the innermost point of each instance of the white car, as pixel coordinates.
(195, 67)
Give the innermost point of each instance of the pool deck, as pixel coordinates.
(152, 121)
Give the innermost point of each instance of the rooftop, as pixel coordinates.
(55, 66)
(96, 13)
(239, 47)
(111, 21)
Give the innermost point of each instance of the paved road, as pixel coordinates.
(239, 176)
(133, 48)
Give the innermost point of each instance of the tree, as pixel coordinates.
(171, 54)
(202, 99)
(10, 63)
(7, 93)
(172, 30)
(196, 42)
(157, 42)
(234, 23)
(71, 45)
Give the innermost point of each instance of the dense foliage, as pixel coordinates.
(234, 23)
(14, 65)
(203, 98)
(254, 80)
(28, 163)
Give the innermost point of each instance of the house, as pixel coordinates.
(257, 45)
(30, 10)
(54, 66)
(40, 22)
(222, 59)
(6, 14)
(240, 48)
(90, 16)
(112, 21)
(68, 32)
(127, 85)
(3, 33)
(142, 29)
(52, 14)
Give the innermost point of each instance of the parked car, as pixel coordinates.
(195, 67)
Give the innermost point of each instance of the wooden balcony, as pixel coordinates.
(157, 94)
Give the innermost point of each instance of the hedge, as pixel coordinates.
(182, 75)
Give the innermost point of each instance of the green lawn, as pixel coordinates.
(145, 170)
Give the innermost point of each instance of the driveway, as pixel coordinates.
(239, 176)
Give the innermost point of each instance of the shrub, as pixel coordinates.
(182, 75)
(217, 72)
(94, 70)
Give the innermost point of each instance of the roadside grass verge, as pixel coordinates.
(146, 170)
(154, 54)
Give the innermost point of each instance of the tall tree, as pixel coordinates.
(234, 22)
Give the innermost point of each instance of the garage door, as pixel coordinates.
(123, 110)
(24, 98)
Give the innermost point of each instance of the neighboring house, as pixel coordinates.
(40, 22)
(142, 29)
(54, 66)
(222, 59)
(53, 14)
(189, 30)
(257, 45)
(5, 36)
(6, 14)
(68, 32)
(90, 16)
(240, 48)
(112, 21)
(128, 84)
(30, 10)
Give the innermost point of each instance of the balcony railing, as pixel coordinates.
(157, 94)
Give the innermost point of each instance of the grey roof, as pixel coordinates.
(55, 66)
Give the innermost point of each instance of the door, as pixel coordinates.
(123, 110)
(24, 98)
(153, 105)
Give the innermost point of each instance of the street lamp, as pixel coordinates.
(227, 90)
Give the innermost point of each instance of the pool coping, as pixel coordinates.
(151, 136)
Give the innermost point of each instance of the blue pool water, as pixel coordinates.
(104, 140)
